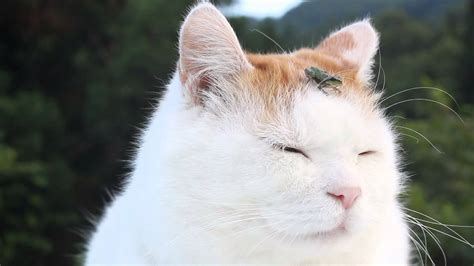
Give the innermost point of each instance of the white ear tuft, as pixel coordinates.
(209, 49)
(356, 43)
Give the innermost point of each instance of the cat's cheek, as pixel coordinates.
(290, 172)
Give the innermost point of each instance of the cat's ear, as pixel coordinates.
(209, 51)
(356, 45)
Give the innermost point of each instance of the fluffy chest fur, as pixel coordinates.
(247, 160)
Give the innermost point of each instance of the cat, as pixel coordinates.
(251, 158)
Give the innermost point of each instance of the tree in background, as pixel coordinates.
(75, 78)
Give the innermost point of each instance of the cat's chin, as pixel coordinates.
(339, 231)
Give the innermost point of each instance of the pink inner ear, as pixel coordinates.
(209, 49)
(355, 44)
(338, 44)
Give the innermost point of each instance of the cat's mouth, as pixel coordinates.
(338, 231)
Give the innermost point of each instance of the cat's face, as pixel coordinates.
(270, 151)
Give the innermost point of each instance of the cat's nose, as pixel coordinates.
(347, 195)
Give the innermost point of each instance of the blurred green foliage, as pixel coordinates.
(78, 77)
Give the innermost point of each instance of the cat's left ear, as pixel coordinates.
(209, 51)
(356, 45)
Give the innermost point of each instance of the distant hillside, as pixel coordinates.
(318, 16)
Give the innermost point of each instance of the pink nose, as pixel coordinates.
(347, 195)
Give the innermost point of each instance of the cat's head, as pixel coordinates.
(265, 145)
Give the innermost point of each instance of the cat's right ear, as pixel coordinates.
(209, 51)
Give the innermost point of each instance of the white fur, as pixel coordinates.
(208, 187)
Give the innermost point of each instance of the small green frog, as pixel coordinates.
(322, 77)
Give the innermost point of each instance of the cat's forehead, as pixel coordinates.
(277, 78)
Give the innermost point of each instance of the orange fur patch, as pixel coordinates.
(276, 78)
(280, 75)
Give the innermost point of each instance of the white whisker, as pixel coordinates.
(420, 88)
(410, 136)
(384, 78)
(271, 235)
(268, 37)
(378, 72)
(457, 235)
(416, 243)
(424, 229)
(427, 100)
(400, 117)
(460, 239)
(446, 225)
(421, 135)
(436, 240)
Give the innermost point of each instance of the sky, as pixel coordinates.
(261, 8)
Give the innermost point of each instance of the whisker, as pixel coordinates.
(400, 117)
(446, 225)
(427, 100)
(421, 88)
(254, 228)
(251, 218)
(413, 220)
(378, 72)
(384, 78)
(410, 136)
(435, 221)
(268, 37)
(224, 218)
(416, 243)
(437, 241)
(457, 235)
(271, 235)
(460, 239)
(425, 242)
(208, 227)
(421, 135)
(223, 204)
(287, 234)
(216, 225)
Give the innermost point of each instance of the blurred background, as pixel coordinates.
(78, 78)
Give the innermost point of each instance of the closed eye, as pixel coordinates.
(290, 149)
(365, 153)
